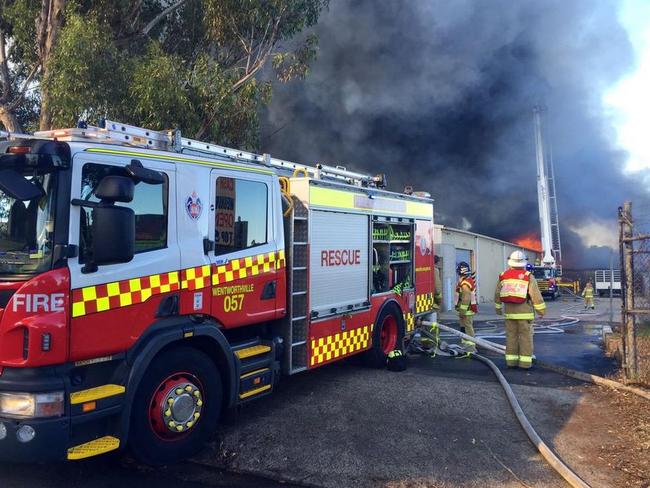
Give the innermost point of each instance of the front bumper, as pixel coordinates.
(50, 443)
(54, 436)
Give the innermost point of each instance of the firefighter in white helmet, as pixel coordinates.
(518, 292)
(465, 302)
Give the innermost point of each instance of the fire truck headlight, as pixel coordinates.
(31, 405)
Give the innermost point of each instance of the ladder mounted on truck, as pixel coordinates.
(112, 132)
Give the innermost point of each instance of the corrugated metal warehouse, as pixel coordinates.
(486, 255)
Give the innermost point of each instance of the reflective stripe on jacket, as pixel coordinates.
(514, 285)
(465, 297)
(525, 310)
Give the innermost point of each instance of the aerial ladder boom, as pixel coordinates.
(543, 192)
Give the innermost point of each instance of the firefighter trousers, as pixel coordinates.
(519, 343)
(467, 327)
(589, 302)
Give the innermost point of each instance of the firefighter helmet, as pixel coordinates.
(529, 267)
(517, 260)
(463, 269)
(396, 360)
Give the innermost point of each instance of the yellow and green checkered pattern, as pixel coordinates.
(107, 296)
(195, 278)
(424, 303)
(99, 298)
(249, 266)
(324, 349)
(409, 318)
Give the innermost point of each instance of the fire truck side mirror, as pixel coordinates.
(113, 227)
(140, 173)
(113, 230)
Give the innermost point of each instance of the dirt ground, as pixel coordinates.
(446, 423)
(442, 423)
(628, 451)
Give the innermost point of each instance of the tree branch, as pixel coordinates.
(23, 89)
(153, 23)
(158, 18)
(260, 60)
(5, 78)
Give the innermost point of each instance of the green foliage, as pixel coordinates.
(193, 64)
(87, 76)
(159, 93)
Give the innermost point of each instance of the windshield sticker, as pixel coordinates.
(193, 206)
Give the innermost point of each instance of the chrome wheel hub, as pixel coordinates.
(181, 407)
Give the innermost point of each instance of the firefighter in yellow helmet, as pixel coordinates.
(465, 302)
(588, 294)
(518, 292)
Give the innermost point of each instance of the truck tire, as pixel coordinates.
(387, 335)
(176, 408)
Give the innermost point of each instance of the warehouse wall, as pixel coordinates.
(487, 257)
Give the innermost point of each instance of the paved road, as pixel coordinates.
(116, 471)
(443, 422)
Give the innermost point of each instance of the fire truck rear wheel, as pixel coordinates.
(176, 408)
(387, 335)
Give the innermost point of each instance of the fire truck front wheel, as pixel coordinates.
(176, 408)
(387, 335)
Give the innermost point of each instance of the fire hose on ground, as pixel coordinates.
(556, 463)
(579, 375)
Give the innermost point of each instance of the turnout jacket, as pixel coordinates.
(465, 297)
(532, 303)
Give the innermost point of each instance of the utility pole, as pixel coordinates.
(628, 332)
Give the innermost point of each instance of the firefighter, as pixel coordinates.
(518, 290)
(465, 302)
(437, 284)
(588, 294)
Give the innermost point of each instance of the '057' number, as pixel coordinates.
(233, 303)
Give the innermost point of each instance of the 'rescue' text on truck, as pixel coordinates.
(149, 283)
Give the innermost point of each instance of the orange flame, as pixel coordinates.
(530, 241)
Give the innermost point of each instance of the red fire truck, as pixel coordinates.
(150, 282)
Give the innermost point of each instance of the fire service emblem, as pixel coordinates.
(194, 206)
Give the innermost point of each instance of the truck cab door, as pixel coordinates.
(247, 255)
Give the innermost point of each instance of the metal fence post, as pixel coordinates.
(611, 288)
(629, 332)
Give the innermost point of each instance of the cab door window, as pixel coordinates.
(149, 204)
(241, 215)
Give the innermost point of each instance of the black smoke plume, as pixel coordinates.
(438, 94)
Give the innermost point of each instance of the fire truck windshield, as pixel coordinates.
(27, 226)
(543, 273)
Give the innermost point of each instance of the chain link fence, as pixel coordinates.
(634, 239)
